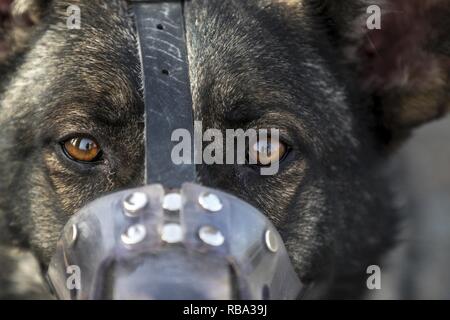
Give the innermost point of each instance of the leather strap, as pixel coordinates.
(167, 92)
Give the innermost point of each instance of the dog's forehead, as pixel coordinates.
(291, 4)
(96, 63)
(241, 42)
(266, 56)
(237, 51)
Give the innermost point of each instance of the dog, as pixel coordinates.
(343, 93)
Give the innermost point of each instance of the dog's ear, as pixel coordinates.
(401, 50)
(17, 20)
(404, 62)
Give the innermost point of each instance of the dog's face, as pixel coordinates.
(71, 122)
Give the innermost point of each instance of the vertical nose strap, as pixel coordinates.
(167, 92)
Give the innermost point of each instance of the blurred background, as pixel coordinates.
(419, 268)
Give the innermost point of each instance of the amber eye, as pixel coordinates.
(267, 151)
(82, 149)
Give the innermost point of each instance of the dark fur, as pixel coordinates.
(258, 63)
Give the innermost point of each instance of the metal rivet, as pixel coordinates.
(209, 201)
(172, 202)
(172, 233)
(134, 234)
(134, 203)
(72, 235)
(271, 241)
(211, 235)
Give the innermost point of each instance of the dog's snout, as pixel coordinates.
(153, 243)
(174, 274)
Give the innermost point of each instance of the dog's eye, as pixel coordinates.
(82, 149)
(267, 151)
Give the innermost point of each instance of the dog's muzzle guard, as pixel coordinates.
(193, 243)
(170, 239)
